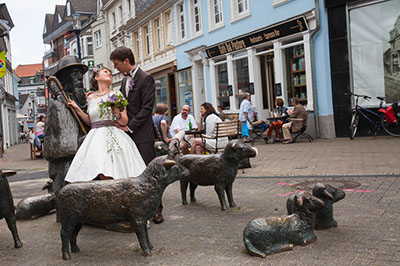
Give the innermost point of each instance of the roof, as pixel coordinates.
(85, 6)
(5, 15)
(28, 70)
(142, 5)
(22, 99)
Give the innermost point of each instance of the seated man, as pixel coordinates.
(160, 120)
(180, 123)
(296, 124)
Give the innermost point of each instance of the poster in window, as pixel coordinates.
(375, 50)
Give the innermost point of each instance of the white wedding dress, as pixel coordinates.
(106, 150)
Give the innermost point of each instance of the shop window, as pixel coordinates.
(242, 78)
(296, 76)
(374, 54)
(168, 28)
(161, 90)
(185, 93)
(222, 85)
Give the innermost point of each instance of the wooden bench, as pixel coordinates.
(230, 129)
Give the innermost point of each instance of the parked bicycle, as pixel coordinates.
(386, 118)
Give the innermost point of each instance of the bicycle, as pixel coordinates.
(391, 127)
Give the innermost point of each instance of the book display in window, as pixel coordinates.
(298, 86)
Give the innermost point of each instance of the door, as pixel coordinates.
(269, 92)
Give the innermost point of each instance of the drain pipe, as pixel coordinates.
(316, 119)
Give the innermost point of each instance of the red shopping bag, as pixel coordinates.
(389, 115)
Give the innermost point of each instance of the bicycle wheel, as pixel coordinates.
(392, 129)
(354, 125)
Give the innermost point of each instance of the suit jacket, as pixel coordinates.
(300, 114)
(140, 108)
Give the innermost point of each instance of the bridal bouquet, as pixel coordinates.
(114, 99)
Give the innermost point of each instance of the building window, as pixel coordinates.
(97, 36)
(195, 17)
(296, 74)
(242, 78)
(89, 41)
(129, 7)
(157, 34)
(59, 18)
(136, 41)
(185, 93)
(113, 21)
(121, 16)
(215, 17)
(146, 40)
(240, 9)
(161, 90)
(168, 28)
(68, 9)
(82, 45)
(222, 85)
(45, 29)
(181, 21)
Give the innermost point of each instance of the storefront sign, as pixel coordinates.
(285, 29)
(91, 63)
(230, 90)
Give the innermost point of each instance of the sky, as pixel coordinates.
(28, 16)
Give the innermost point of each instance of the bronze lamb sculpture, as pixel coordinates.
(34, 207)
(133, 200)
(7, 209)
(266, 236)
(328, 194)
(218, 170)
(324, 217)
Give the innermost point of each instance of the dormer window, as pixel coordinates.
(45, 29)
(59, 18)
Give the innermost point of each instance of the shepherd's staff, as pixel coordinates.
(52, 78)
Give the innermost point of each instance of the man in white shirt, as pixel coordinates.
(181, 123)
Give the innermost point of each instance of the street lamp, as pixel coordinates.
(33, 98)
(77, 27)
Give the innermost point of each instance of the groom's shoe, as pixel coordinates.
(158, 218)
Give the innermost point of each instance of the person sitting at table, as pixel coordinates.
(208, 120)
(295, 125)
(160, 120)
(181, 123)
(276, 125)
(221, 112)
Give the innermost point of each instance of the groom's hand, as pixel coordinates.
(123, 127)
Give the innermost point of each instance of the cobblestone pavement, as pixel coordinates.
(201, 234)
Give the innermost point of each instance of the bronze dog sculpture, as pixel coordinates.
(133, 200)
(7, 209)
(266, 236)
(218, 170)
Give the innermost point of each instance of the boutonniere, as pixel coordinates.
(131, 84)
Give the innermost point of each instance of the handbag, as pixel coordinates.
(245, 130)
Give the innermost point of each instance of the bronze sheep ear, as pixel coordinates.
(9, 173)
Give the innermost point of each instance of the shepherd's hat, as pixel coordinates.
(68, 62)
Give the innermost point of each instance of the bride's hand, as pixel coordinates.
(72, 104)
(116, 112)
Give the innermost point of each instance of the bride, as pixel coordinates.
(107, 152)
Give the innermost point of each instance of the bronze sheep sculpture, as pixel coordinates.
(133, 200)
(266, 236)
(218, 170)
(7, 209)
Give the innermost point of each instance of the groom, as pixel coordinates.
(138, 88)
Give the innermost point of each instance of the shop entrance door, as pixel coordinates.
(268, 81)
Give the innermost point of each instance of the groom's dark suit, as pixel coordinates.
(141, 101)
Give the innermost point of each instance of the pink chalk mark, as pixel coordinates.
(356, 190)
(285, 184)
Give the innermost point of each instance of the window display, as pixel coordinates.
(222, 86)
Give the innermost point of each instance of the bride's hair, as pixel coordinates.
(93, 82)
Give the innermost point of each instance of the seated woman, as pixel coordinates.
(208, 119)
(281, 111)
(39, 127)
